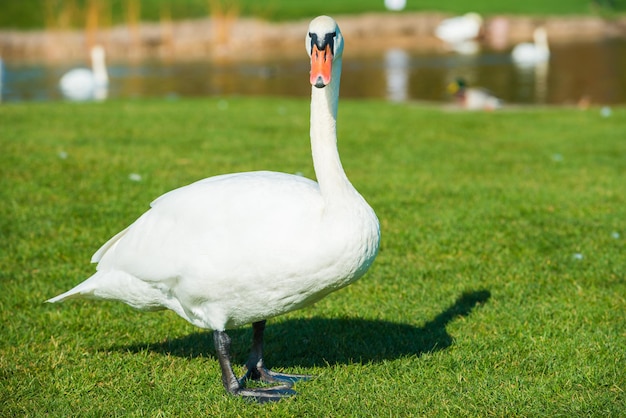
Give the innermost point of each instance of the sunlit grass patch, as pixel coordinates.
(499, 288)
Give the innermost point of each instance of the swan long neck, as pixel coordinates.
(99, 68)
(541, 39)
(328, 169)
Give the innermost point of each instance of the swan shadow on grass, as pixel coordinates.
(319, 341)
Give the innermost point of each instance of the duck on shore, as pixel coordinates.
(473, 98)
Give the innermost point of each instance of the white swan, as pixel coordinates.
(528, 53)
(83, 84)
(459, 29)
(240, 248)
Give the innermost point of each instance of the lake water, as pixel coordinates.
(593, 72)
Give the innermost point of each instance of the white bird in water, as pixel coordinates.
(531, 53)
(84, 84)
(241, 248)
(459, 29)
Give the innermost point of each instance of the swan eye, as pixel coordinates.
(329, 39)
(324, 40)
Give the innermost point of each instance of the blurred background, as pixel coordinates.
(573, 53)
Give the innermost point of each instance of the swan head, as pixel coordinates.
(101, 78)
(97, 53)
(540, 36)
(324, 44)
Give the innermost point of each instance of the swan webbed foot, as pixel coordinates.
(264, 395)
(262, 374)
(255, 370)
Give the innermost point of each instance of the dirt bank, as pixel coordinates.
(247, 38)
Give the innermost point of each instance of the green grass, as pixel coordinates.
(32, 13)
(499, 289)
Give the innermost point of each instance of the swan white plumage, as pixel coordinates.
(528, 53)
(240, 248)
(85, 84)
(459, 29)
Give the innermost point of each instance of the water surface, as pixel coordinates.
(593, 72)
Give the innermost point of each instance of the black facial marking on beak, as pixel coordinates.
(328, 39)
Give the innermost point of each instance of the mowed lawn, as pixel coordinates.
(499, 289)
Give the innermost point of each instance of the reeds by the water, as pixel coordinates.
(64, 16)
(123, 32)
(223, 14)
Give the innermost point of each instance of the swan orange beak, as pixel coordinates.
(321, 66)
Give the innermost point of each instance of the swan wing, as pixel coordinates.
(202, 248)
(209, 224)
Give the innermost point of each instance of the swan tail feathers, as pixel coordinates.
(121, 286)
(85, 289)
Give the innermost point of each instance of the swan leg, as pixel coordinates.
(255, 366)
(236, 387)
